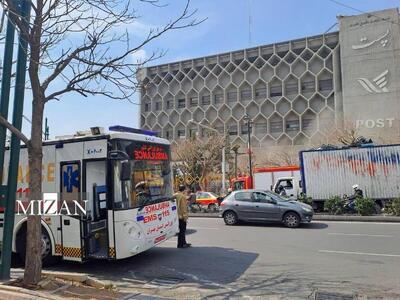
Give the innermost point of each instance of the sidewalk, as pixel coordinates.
(324, 217)
(67, 285)
(57, 285)
(17, 293)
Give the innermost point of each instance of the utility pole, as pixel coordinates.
(5, 89)
(46, 130)
(249, 123)
(23, 10)
(235, 149)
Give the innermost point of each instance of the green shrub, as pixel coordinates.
(393, 207)
(335, 205)
(307, 200)
(365, 206)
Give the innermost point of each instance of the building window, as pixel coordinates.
(325, 84)
(168, 134)
(193, 132)
(291, 89)
(181, 103)
(205, 99)
(147, 107)
(307, 124)
(205, 132)
(181, 133)
(275, 91)
(220, 129)
(158, 106)
(261, 92)
(260, 128)
(244, 129)
(276, 127)
(292, 125)
(218, 98)
(170, 104)
(245, 95)
(233, 130)
(308, 86)
(231, 96)
(194, 101)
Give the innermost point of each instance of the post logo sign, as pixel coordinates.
(51, 206)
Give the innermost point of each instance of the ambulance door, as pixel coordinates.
(71, 229)
(69, 168)
(95, 191)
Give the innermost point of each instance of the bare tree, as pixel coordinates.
(200, 157)
(347, 134)
(281, 156)
(82, 47)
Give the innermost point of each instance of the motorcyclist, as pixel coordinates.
(358, 193)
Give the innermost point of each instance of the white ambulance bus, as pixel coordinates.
(126, 178)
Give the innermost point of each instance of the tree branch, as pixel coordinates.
(14, 130)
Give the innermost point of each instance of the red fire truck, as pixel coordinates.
(270, 178)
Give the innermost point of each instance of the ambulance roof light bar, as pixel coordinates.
(119, 128)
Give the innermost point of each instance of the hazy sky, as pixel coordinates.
(226, 29)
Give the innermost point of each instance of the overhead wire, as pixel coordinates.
(363, 12)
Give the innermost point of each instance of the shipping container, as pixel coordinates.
(327, 173)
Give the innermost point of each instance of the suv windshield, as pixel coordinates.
(150, 175)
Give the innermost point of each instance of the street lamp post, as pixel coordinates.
(235, 149)
(249, 124)
(223, 153)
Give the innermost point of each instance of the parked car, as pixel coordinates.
(208, 200)
(260, 206)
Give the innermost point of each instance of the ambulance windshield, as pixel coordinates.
(150, 175)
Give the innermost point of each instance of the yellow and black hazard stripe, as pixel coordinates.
(58, 249)
(72, 252)
(111, 252)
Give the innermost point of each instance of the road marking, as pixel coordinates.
(205, 218)
(359, 253)
(211, 228)
(361, 234)
(357, 222)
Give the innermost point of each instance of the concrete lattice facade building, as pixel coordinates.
(295, 92)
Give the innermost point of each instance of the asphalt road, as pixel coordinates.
(263, 262)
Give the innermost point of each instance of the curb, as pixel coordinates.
(384, 219)
(318, 217)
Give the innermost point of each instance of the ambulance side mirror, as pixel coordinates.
(125, 173)
(117, 155)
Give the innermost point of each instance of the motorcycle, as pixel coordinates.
(195, 207)
(349, 205)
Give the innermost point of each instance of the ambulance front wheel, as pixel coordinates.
(47, 258)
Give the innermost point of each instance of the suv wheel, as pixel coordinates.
(291, 220)
(230, 218)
